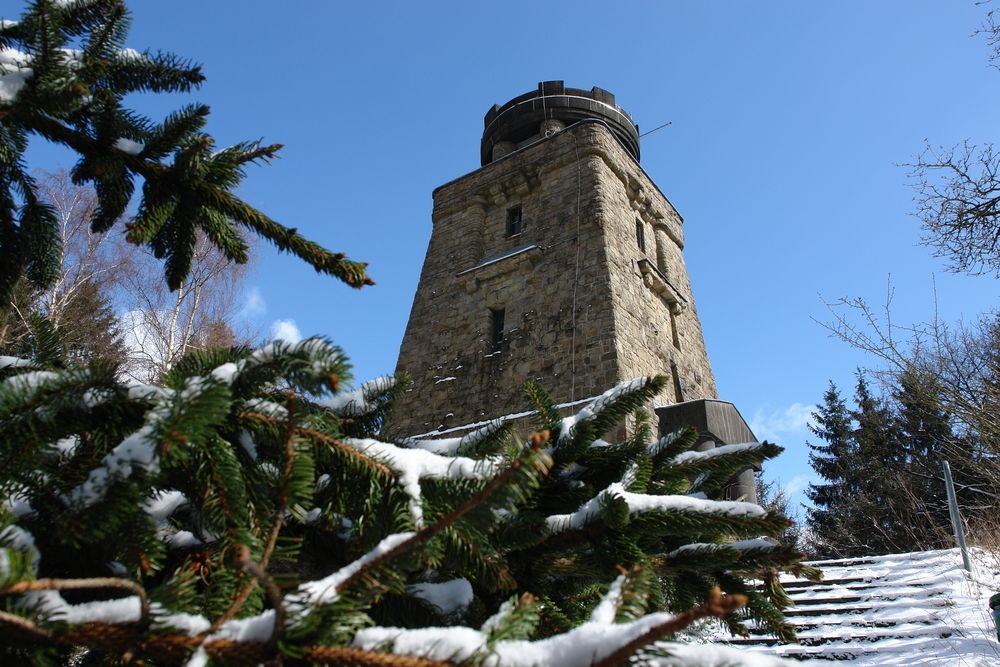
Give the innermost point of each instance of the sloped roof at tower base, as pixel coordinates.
(714, 419)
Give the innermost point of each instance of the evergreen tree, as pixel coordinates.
(855, 510)
(833, 461)
(89, 329)
(86, 330)
(926, 429)
(883, 490)
(66, 75)
(244, 511)
(884, 500)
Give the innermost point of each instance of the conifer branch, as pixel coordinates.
(83, 584)
(259, 571)
(343, 656)
(344, 449)
(242, 557)
(197, 185)
(717, 605)
(534, 456)
(26, 627)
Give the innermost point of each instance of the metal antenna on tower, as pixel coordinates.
(659, 127)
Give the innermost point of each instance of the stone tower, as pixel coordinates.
(558, 261)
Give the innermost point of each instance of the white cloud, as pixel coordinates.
(254, 304)
(798, 484)
(285, 330)
(790, 423)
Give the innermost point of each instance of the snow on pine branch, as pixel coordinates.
(587, 644)
(583, 646)
(327, 590)
(30, 381)
(16, 70)
(160, 507)
(138, 450)
(412, 465)
(607, 609)
(600, 403)
(17, 538)
(722, 450)
(359, 401)
(14, 73)
(755, 544)
(451, 446)
(14, 362)
(257, 628)
(311, 360)
(639, 503)
(316, 350)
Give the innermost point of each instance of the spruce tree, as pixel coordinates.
(926, 429)
(883, 490)
(246, 511)
(855, 509)
(87, 329)
(880, 477)
(833, 461)
(66, 73)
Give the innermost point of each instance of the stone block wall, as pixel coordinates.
(581, 309)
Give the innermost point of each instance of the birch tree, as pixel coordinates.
(160, 326)
(108, 299)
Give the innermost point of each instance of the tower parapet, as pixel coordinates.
(551, 108)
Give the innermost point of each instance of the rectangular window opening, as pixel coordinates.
(514, 221)
(640, 235)
(496, 329)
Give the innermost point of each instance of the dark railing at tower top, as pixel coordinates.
(521, 117)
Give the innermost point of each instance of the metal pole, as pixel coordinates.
(956, 518)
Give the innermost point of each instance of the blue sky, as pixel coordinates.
(789, 123)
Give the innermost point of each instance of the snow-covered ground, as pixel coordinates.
(903, 609)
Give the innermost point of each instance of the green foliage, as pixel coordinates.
(87, 328)
(72, 75)
(248, 488)
(881, 464)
